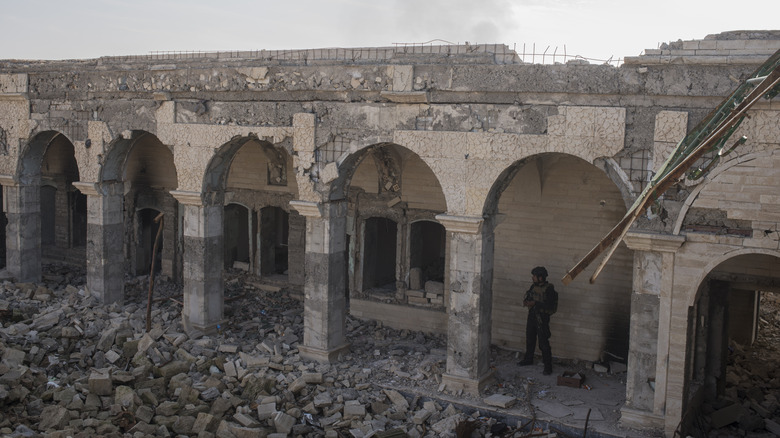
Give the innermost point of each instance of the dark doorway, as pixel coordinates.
(274, 235)
(379, 253)
(427, 249)
(147, 231)
(78, 203)
(236, 232)
(48, 215)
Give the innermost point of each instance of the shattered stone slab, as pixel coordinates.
(500, 400)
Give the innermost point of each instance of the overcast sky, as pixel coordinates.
(600, 29)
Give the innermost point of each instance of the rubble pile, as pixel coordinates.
(73, 367)
(751, 403)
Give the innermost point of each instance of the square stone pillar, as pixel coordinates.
(203, 262)
(471, 245)
(325, 303)
(651, 310)
(22, 206)
(105, 240)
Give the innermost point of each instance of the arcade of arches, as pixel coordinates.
(417, 190)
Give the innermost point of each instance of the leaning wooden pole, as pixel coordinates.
(709, 135)
(158, 220)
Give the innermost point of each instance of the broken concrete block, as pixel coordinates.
(313, 378)
(415, 278)
(297, 385)
(421, 416)
(447, 425)
(354, 409)
(772, 426)
(146, 342)
(599, 368)
(230, 369)
(397, 399)
(617, 367)
(245, 420)
(434, 287)
(266, 411)
(228, 348)
(205, 422)
(125, 396)
(283, 422)
(251, 361)
(54, 418)
(112, 356)
(13, 357)
(500, 400)
(726, 416)
(184, 425)
(46, 321)
(144, 413)
(322, 400)
(100, 382)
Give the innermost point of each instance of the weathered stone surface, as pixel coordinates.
(283, 422)
(500, 400)
(100, 382)
(266, 411)
(54, 418)
(397, 399)
(354, 409)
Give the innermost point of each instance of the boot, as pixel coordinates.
(526, 361)
(547, 358)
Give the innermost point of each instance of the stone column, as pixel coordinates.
(105, 240)
(651, 310)
(203, 261)
(471, 245)
(325, 291)
(22, 206)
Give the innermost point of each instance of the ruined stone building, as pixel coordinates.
(417, 186)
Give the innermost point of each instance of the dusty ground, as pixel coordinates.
(54, 341)
(412, 362)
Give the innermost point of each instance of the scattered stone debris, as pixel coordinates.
(750, 405)
(73, 367)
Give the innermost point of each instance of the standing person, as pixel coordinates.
(542, 301)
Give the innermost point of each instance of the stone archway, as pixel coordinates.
(551, 209)
(23, 197)
(149, 175)
(63, 207)
(388, 188)
(266, 194)
(723, 324)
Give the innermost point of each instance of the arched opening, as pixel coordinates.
(379, 250)
(236, 237)
(426, 256)
(269, 233)
(551, 209)
(146, 234)
(63, 207)
(274, 237)
(734, 346)
(393, 237)
(150, 176)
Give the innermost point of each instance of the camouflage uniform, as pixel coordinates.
(538, 324)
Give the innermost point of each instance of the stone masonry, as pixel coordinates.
(411, 186)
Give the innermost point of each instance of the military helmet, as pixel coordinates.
(539, 271)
